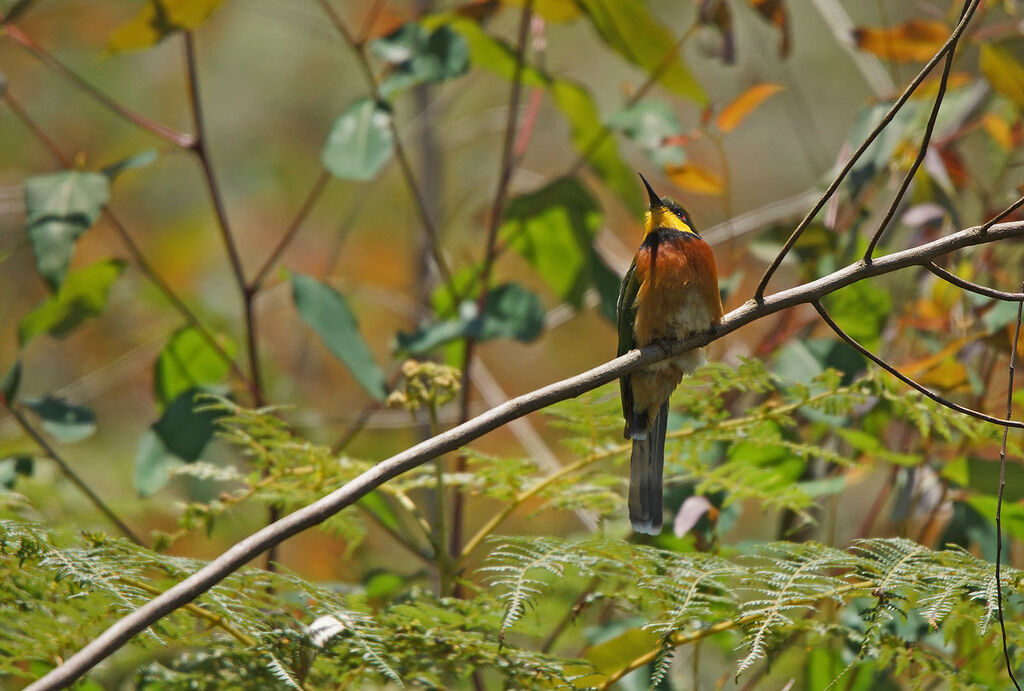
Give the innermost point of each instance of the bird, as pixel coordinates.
(670, 292)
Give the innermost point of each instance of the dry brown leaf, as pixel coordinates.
(694, 178)
(736, 112)
(917, 39)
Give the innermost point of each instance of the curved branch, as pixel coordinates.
(245, 550)
(973, 287)
(922, 150)
(907, 380)
(886, 119)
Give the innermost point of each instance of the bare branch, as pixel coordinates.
(69, 472)
(179, 139)
(922, 151)
(904, 378)
(973, 287)
(247, 549)
(916, 82)
(1002, 486)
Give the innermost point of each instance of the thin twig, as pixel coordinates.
(289, 234)
(69, 472)
(121, 631)
(400, 155)
(973, 287)
(904, 378)
(494, 222)
(179, 139)
(922, 150)
(852, 161)
(1002, 486)
(137, 256)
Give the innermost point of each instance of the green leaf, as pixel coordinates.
(579, 109)
(60, 207)
(82, 296)
(11, 468)
(157, 20)
(419, 56)
(861, 310)
(67, 423)
(360, 141)
(139, 160)
(511, 311)
(553, 229)
(10, 382)
(630, 29)
(179, 436)
(587, 133)
(188, 361)
(326, 312)
(649, 123)
(153, 464)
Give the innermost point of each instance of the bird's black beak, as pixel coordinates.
(655, 199)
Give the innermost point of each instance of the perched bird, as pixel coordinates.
(670, 292)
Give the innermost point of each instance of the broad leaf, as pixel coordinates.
(67, 423)
(587, 132)
(188, 361)
(326, 312)
(360, 141)
(83, 296)
(511, 311)
(156, 20)
(589, 137)
(629, 28)
(419, 56)
(650, 123)
(737, 111)
(553, 229)
(179, 436)
(60, 207)
(915, 40)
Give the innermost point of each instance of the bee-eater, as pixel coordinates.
(669, 293)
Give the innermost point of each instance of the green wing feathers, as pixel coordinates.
(626, 312)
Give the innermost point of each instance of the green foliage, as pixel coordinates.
(328, 314)
(418, 56)
(188, 361)
(360, 141)
(510, 311)
(179, 436)
(82, 296)
(60, 207)
(553, 229)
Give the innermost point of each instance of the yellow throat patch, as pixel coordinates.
(664, 218)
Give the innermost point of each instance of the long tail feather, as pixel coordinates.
(645, 470)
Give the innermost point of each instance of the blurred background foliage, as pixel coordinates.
(352, 152)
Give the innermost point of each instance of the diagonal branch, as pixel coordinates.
(904, 378)
(179, 139)
(922, 150)
(119, 633)
(886, 119)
